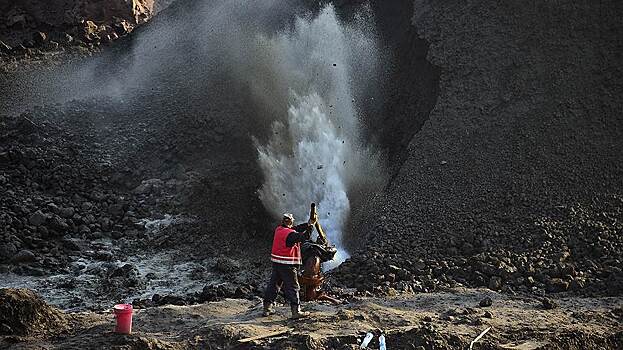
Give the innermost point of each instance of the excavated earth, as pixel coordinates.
(503, 143)
(427, 321)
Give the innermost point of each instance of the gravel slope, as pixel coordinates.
(516, 177)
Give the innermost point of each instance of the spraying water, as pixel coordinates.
(314, 154)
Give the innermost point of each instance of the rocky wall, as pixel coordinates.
(47, 24)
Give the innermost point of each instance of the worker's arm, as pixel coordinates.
(301, 234)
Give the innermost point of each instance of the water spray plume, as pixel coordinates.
(314, 154)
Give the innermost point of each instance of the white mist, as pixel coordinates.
(314, 154)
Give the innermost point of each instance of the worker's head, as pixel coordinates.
(287, 220)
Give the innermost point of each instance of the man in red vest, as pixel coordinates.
(286, 258)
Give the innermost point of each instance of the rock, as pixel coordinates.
(86, 206)
(171, 300)
(89, 219)
(557, 285)
(116, 209)
(487, 314)
(495, 283)
(44, 231)
(24, 313)
(105, 223)
(71, 245)
(122, 27)
(31, 271)
(40, 38)
(23, 256)
(16, 19)
(224, 264)
(149, 186)
(390, 277)
(91, 31)
(7, 250)
(486, 302)
(467, 248)
(404, 287)
(59, 224)
(223, 290)
(125, 271)
(103, 255)
(52, 45)
(198, 273)
(37, 218)
(577, 284)
(549, 304)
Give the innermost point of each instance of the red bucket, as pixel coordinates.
(123, 315)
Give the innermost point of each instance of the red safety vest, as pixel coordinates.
(281, 253)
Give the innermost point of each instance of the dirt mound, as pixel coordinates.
(22, 312)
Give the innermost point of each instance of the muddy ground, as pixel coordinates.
(427, 321)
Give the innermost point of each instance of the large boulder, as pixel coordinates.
(22, 312)
(23, 256)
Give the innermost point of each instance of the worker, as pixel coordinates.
(286, 259)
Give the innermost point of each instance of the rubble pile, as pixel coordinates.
(514, 181)
(84, 184)
(579, 249)
(65, 182)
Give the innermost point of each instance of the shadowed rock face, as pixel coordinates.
(36, 22)
(515, 178)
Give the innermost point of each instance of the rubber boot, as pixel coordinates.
(297, 313)
(268, 309)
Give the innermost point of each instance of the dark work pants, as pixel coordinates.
(287, 276)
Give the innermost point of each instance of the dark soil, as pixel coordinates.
(515, 180)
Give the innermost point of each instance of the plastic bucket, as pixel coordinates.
(123, 315)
